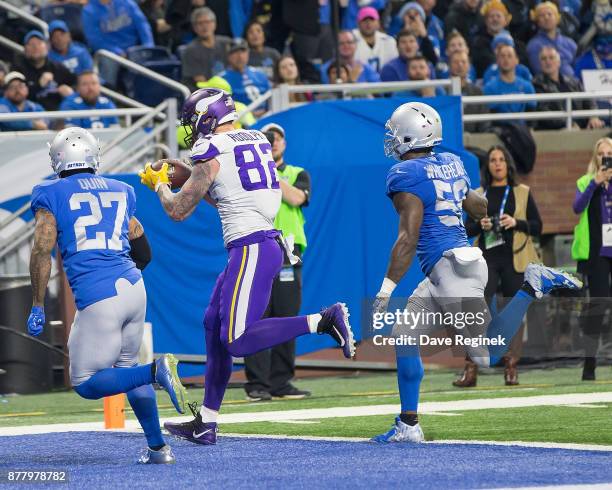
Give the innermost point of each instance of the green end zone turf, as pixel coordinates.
(550, 423)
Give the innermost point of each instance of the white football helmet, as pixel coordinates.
(412, 126)
(74, 148)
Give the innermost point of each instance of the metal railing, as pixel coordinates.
(112, 165)
(41, 24)
(130, 65)
(569, 114)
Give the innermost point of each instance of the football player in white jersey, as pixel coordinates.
(234, 169)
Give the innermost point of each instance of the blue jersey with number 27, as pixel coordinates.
(92, 215)
(441, 183)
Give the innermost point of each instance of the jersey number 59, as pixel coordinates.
(80, 225)
(449, 198)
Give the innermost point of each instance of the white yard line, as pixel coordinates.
(437, 408)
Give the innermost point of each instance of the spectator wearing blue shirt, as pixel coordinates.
(435, 26)
(16, 100)
(454, 42)
(114, 25)
(418, 69)
(507, 82)
(599, 57)
(547, 17)
(504, 39)
(247, 83)
(88, 98)
(408, 46)
(63, 50)
(358, 72)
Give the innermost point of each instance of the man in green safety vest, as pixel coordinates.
(269, 373)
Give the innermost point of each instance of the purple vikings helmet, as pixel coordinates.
(204, 110)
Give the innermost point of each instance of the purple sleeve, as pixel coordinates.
(582, 199)
(204, 150)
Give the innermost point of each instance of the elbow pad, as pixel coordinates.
(140, 251)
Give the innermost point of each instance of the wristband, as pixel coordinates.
(387, 287)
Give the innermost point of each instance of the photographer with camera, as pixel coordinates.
(505, 237)
(269, 372)
(592, 247)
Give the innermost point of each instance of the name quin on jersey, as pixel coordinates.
(93, 183)
(447, 171)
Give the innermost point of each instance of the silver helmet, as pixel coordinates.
(74, 148)
(412, 126)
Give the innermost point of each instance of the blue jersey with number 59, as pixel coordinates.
(441, 183)
(92, 215)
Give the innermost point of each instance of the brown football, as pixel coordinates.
(178, 171)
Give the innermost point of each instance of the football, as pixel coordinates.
(178, 171)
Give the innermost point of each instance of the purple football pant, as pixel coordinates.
(233, 321)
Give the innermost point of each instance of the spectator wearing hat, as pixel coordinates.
(114, 25)
(504, 39)
(247, 83)
(464, 16)
(269, 373)
(408, 46)
(373, 46)
(205, 56)
(546, 15)
(358, 72)
(507, 82)
(551, 81)
(412, 17)
(48, 82)
(496, 19)
(15, 99)
(87, 98)
(261, 56)
(63, 50)
(349, 19)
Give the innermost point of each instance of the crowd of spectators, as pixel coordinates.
(494, 46)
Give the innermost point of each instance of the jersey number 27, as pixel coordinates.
(80, 225)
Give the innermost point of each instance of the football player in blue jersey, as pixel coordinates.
(430, 191)
(103, 248)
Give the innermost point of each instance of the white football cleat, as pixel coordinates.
(401, 432)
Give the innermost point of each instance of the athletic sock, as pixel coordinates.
(409, 376)
(208, 415)
(409, 418)
(507, 323)
(143, 402)
(112, 381)
(313, 322)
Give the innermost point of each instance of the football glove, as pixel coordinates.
(154, 178)
(36, 321)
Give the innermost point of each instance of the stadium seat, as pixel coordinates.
(147, 91)
(143, 54)
(69, 13)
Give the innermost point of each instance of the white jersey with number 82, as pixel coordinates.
(246, 189)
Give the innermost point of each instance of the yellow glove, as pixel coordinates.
(154, 178)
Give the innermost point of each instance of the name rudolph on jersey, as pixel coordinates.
(245, 135)
(447, 171)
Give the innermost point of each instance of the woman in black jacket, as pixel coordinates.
(505, 237)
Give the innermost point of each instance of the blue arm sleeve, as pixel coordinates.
(239, 13)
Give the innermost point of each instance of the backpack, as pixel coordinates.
(517, 138)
